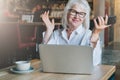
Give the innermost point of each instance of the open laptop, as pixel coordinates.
(66, 58)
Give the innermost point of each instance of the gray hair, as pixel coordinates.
(84, 4)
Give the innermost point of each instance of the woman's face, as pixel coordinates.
(75, 16)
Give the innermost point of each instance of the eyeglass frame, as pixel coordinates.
(75, 13)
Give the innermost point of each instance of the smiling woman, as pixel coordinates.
(75, 23)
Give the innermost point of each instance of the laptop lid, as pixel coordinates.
(66, 58)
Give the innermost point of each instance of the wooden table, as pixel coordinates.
(101, 72)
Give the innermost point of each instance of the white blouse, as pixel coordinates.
(80, 36)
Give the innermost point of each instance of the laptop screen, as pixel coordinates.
(66, 58)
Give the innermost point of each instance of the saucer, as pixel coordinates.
(21, 72)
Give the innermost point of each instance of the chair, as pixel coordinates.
(25, 41)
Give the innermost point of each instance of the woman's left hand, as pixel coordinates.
(99, 26)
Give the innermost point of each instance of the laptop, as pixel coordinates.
(66, 58)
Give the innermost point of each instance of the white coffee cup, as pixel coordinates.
(22, 65)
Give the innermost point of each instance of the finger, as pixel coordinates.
(106, 19)
(102, 20)
(108, 25)
(44, 13)
(53, 22)
(105, 26)
(99, 21)
(47, 13)
(95, 22)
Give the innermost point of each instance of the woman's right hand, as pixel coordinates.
(49, 24)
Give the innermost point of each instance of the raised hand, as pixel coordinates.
(101, 25)
(49, 24)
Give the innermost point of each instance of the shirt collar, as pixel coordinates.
(78, 30)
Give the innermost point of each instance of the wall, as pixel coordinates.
(117, 25)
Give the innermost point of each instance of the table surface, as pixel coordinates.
(101, 72)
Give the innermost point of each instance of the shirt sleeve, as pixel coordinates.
(97, 53)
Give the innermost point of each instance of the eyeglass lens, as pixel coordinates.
(74, 13)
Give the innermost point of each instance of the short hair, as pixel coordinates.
(84, 4)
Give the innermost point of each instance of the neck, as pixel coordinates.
(69, 31)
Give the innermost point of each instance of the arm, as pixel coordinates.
(49, 26)
(97, 53)
(101, 25)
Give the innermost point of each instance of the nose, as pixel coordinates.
(76, 15)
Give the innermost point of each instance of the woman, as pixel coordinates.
(75, 22)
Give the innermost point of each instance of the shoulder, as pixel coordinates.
(88, 31)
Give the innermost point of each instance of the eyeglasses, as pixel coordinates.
(75, 13)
